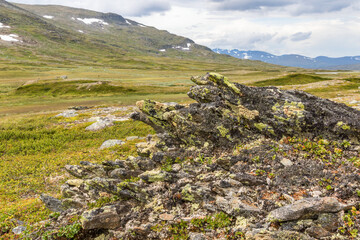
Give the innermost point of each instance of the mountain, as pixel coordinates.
(293, 60)
(50, 34)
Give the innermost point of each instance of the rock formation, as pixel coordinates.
(241, 163)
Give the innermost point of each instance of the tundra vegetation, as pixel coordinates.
(36, 145)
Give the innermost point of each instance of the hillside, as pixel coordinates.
(45, 35)
(294, 60)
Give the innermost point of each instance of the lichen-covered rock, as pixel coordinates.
(53, 204)
(229, 113)
(108, 217)
(306, 208)
(111, 143)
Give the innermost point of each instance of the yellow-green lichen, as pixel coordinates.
(264, 127)
(224, 132)
(221, 80)
(343, 125)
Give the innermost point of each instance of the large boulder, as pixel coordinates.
(229, 113)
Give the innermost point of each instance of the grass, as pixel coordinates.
(292, 79)
(34, 150)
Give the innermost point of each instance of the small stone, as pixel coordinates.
(53, 204)
(316, 193)
(18, 230)
(111, 143)
(75, 182)
(68, 114)
(108, 217)
(196, 236)
(132, 138)
(176, 167)
(286, 162)
(306, 207)
(101, 124)
(317, 232)
(155, 176)
(166, 217)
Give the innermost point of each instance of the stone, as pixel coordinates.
(53, 204)
(131, 138)
(18, 230)
(235, 207)
(317, 232)
(111, 143)
(197, 236)
(100, 124)
(68, 114)
(306, 208)
(166, 217)
(75, 182)
(286, 162)
(155, 176)
(108, 217)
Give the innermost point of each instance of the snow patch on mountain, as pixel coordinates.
(89, 21)
(3, 26)
(48, 17)
(9, 38)
(128, 22)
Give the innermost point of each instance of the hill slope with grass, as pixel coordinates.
(51, 34)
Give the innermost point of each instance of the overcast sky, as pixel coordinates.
(307, 27)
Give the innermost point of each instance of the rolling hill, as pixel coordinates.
(57, 35)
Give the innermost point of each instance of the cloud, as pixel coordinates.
(244, 5)
(128, 8)
(300, 36)
(320, 6)
(292, 7)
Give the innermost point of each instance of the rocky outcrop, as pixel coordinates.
(227, 114)
(253, 163)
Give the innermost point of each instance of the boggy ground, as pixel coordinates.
(272, 183)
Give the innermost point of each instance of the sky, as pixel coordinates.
(307, 27)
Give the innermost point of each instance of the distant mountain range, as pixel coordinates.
(293, 60)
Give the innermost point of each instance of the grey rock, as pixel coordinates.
(18, 230)
(111, 143)
(108, 217)
(235, 207)
(286, 162)
(130, 138)
(306, 208)
(68, 114)
(53, 204)
(101, 124)
(317, 232)
(196, 236)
